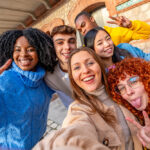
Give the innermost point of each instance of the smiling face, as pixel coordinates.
(134, 92)
(64, 44)
(85, 24)
(103, 44)
(24, 55)
(86, 72)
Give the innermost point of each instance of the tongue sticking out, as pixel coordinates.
(136, 103)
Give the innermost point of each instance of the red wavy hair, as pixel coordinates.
(132, 66)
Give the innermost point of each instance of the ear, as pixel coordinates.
(92, 19)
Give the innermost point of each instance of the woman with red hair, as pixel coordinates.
(129, 84)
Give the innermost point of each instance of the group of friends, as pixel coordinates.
(105, 85)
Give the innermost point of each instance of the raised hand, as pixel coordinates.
(5, 66)
(120, 21)
(144, 131)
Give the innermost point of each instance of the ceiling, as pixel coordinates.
(19, 14)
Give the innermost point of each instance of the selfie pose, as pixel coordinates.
(93, 121)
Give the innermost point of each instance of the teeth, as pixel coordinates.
(108, 50)
(66, 54)
(25, 62)
(88, 78)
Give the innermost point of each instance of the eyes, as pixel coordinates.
(132, 82)
(70, 41)
(31, 49)
(79, 66)
(107, 39)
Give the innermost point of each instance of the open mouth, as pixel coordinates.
(25, 62)
(108, 50)
(88, 79)
(136, 102)
(66, 55)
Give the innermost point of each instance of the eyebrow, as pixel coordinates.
(58, 39)
(84, 61)
(27, 47)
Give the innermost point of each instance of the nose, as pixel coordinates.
(23, 52)
(85, 69)
(67, 46)
(129, 90)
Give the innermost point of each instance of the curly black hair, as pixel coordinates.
(38, 39)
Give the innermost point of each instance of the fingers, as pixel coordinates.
(146, 118)
(111, 22)
(134, 122)
(145, 140)
(141, 140)
(143, 135)
(113, 18)
(5, 66)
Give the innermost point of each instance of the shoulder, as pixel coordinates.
(77, 106)
(8, 76)
(124, 45)
(115, 29)
(77, 112)
(51, 76)
(9, 80)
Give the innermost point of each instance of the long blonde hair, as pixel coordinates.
(82, 96)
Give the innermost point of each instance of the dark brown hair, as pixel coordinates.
(63, 29)
(82, 96)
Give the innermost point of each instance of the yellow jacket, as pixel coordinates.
(138, 30)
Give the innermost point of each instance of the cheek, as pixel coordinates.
(111, 42)
(58, 49)
(36, 58)
(99, 49)
(14, 56)
(76, 77)
(73, 46)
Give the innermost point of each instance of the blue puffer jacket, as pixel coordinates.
(134, 51)
(24, 102)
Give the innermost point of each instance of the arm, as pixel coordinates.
(141, 27)
(137, 26)
(123, 35)
(78, 132)
(134, 51)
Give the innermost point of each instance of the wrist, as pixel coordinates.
(129, 25)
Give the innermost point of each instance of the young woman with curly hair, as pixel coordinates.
(24, 96)
(129, 84)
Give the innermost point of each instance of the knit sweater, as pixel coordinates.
(24, 103)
